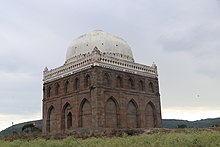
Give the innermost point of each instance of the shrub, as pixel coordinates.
(216, 125)
(182, 126)
(130, 132)
(114, 131)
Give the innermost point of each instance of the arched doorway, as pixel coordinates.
(150, 115)
(85, 114)
(66, 117)
(69, 120)
(111, 113)
(132, 116)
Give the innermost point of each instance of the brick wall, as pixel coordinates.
(93, 98)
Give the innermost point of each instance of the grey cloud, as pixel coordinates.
(20, 93)
(197, 38)
(176, 34)
(212, 72)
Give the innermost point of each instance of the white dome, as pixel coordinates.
(105, 42)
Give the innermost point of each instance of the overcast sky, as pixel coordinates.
(181, 36)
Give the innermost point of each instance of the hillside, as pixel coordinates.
(203, 123)
(17, 128)
(167, 123)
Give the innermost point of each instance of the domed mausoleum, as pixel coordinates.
(100, 86)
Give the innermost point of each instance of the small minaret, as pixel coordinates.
(45, 69)
(44, 72)
(154, 66)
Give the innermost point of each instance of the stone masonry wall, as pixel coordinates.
(101, 97)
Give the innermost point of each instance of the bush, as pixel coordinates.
(30, 128)
(114, 131)
(216, 125)
(130, 132)
(182, 126)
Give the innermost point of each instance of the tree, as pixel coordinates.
(30, 128)
(182, 126)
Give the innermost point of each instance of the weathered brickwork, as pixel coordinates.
(93, 98)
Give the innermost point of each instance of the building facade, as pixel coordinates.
(100, 86)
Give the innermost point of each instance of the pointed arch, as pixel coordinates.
(49, 91)
(151, 87)
(132, 114)
(85, 114)
(141, 85)
(66, 86)
(76, 84)
(119, 83)
(66, 117)
(57, 88)
(130, 83)
(111, 113)
(106, 80)
(51, 119)
(69, 120)
(87, 81)
(150, 117)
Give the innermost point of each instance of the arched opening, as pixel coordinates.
(111, 113)
(141, 85)
(85, 114)
(76, 85)
(66, 117)
(119, 83)
(66, 86)
(51, 120)
(130, 83)
(106, 80)
(87, 81)
(151, 120)
(69, 120)
(48, 91)
(132, 114)
(57, 88)
(151, 87)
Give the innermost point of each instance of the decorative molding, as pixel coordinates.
(96, 58)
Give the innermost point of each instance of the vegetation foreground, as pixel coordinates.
(159, 138)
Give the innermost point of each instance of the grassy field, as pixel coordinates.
(161, 138)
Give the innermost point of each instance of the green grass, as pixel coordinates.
(186, 138)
